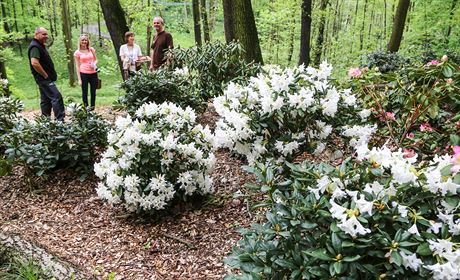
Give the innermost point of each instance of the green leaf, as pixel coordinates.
(319, 254)
(455, 139)
(397, 259)
(351, 259)
(336, 242)
(338, 267)
(424, 249)
(446, 170)
(447, 72)
(407, 244)
(285, 264)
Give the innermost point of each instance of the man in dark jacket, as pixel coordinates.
(162, 42)
(42, 68)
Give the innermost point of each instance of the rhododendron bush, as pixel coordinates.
(284, 112)
(380, 215)
(154, 157)
(416, 107)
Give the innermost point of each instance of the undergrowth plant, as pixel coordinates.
(382, 215)
(213, 65)
(282, 113)
(161, 86)
(9, 116)
(416, 107)
(43, 146)
(156, 158)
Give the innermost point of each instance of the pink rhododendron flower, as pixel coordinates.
(449, 81)
(433, 62)
(408, 153)
(410, 135)
(387, 116)
(426, 127)
(354, 73)
(456, 160)
(458, 123)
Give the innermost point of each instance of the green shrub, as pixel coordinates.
(9, 116)
(214, 65)
(44, 145)
(160, 86)
(385, 61)
(158, 157)
(385, 216)
(283, 113)
(415, 107)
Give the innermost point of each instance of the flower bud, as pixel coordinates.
(444, 58)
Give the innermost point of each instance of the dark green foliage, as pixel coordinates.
(9, 110)
(44, 145)
(9, 115)
(385, 61)
(214, 65)
(424, 102)
(160, 86)
(300, 238)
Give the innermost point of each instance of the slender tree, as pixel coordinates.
(149, 27)
(196, 21)
(451, 15)
(239, 24)
(398, 25)
(116, 24)
(6, 27)
(204, 21)
(321, 27)
(212, 15)
(67, 31)
(305, 32)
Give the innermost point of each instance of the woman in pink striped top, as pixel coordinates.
(86, 61)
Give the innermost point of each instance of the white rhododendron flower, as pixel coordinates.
(157, 156)
(282, 112)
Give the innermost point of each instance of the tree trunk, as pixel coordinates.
(384, 19)
(398, 25)
(291, 42)
(321, 27)
(6, 27)
(196, 22)
(204, 20)
(116, 24)
(239, 24)
(16, 26)
(451, 15)
(99, 32)
(67, 31)
(55, 18)
(361, 33)
(212, 15)
(149, 28)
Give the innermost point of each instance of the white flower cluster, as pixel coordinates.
(156, 157)
(347, 206)
(182, 71)
(4, 82)
(279, 112)
(449, 267)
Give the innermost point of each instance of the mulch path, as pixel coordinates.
(65, 217)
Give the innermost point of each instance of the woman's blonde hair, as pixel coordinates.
(83, 36)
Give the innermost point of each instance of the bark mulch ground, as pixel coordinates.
(65, 217)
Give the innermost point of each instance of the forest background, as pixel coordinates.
(343, 32)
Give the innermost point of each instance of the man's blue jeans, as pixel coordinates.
(50, 97)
